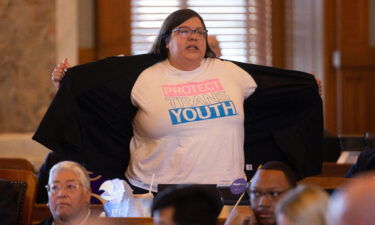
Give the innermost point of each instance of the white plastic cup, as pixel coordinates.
(140, 205)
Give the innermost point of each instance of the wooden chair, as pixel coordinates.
(28, 181)
(16, 163)
(40, 213)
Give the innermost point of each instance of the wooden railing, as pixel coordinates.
(41, 212)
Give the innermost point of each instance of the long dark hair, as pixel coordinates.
(159, 47)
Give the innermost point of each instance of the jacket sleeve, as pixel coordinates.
(59, 128)
(284, 120)
(90, 118)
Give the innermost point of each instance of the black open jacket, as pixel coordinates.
(90, 118)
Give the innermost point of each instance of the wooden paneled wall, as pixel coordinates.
(354, 70)
(113, 28)
(330, 79)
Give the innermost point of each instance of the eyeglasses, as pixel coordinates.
(271, 195)
(70, 187)
(186, 32)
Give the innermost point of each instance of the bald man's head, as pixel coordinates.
(354, 203)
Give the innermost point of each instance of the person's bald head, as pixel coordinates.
(354, 203)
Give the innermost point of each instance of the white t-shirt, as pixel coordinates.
(189, 126)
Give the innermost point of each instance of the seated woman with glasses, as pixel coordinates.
(178, 112)
(68, 194)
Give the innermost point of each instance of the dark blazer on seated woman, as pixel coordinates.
(91, 116)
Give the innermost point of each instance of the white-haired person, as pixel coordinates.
(68, 194)
(304, 205)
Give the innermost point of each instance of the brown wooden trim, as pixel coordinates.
(330, 79)
(331, 169)
(278, 33)
(361, 56)
(113, 28)
(357, 94)
(356, 72)
(329, 183)
(41, 212)
(86, 55)
(353, 34)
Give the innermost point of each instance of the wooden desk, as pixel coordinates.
(328, 183)
(131, 221)
(41, 212)
(330, 169)
(122, 221)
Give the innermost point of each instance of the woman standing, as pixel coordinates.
(177, 112)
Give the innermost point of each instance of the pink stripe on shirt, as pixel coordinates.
(193, 88)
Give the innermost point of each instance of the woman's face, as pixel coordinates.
(186, 53)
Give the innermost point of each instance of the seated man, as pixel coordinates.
(186, 205)
(354, 202)
(68, 194)
(267, 187)
(43, 177)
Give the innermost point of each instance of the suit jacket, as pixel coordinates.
(90, 117)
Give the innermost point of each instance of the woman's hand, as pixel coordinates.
(59, 72)
(320, 84)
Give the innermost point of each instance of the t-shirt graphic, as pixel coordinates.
(189, 124)
(196, 101)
